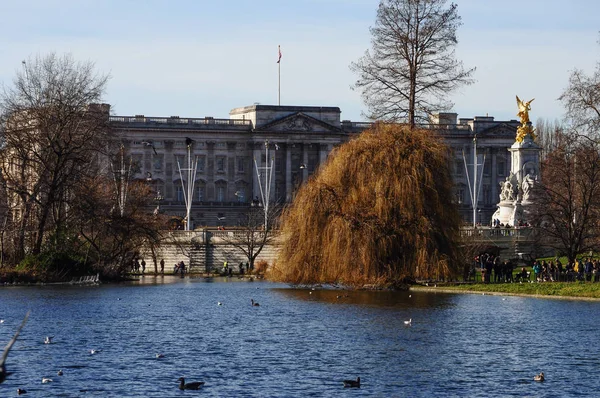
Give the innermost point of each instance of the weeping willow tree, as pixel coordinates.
(379, 211)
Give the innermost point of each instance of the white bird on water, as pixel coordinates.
(409, 322)
(46, 380)
(160, 356)
(48, 339)
(94, 351)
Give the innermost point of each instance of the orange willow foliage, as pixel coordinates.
(379, 211)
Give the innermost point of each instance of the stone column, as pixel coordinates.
(494, 176)
(288, 173)
(305, 162)
(323, 152)
(256, 156)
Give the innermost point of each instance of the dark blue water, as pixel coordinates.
(295, 344)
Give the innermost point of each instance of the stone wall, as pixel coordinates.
(205, 250)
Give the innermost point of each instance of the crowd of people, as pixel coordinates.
(493, 269)
(578, 270)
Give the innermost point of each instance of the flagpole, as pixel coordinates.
(279, 76)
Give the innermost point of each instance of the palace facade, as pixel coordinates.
(230, 156)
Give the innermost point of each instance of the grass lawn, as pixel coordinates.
(563, 289)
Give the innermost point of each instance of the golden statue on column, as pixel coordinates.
(525, 128)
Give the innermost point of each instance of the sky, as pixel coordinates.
(197, 58)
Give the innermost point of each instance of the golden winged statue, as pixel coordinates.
(525, 128)
(524, 109)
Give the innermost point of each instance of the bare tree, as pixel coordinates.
(567, 208)
(549, 134)
(251, 236)
(109, 238)
(581, 100)
(412, 66)
(52, 129)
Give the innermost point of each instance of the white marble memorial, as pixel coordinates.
(516, 191)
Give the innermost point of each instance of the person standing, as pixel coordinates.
(143, 266)
(162, 266)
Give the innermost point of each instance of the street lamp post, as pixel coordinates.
(188, 184)
(474, 189)
(265, 191)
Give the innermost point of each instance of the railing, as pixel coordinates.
(233, 203)
(495, 233)
(229, 234)
(435, 126)
(357, 125)
(179, 121)
(188, 235)
(432, 126)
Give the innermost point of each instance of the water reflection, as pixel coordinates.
(378, 298)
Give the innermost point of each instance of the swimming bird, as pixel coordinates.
(539, 377)
(254, 303)
(21, 391)
(352, 383)
(60, 372)
(160, 355)
(3, 372)
(46, 380)
(93, 352)
(1, 320)
(195, 385)
(219, 303)
(409, 322)
(48, 339)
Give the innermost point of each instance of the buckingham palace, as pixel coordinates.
(228, 155)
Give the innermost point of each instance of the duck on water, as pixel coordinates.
(195, 385)
(352, 383)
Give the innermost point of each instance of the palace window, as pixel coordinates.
(200, 164)
(501, 167)
(459, 196)
(221, 188)
(200, 191)
(179, 193)
(221, 163)
(158, 162)
(241, 164)
(458, 167)
(487, 167)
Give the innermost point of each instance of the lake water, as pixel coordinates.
(295, 344)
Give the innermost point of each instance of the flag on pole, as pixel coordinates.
(279, 58)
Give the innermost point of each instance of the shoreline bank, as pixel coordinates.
(447, 290)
